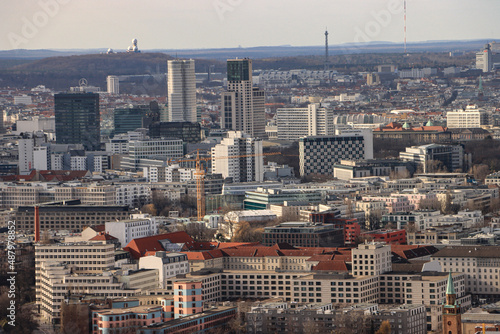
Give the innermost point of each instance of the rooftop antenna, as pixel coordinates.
(405, 23)
(326, 49)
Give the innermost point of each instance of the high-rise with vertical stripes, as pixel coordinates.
(181, 91)
(243, 106)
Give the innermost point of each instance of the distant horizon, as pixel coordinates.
(226, 24)
(490, 40)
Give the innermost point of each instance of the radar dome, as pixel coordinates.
(134, 41)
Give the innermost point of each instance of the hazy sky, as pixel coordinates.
(180, 24)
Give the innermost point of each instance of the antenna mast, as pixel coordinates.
(405, 24)
(326, 50)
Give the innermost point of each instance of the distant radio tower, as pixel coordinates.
(326, 50)
(405, 24)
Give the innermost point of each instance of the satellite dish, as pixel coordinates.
(83, 82)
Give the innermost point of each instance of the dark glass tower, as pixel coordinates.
(78, 119)
(128, 119)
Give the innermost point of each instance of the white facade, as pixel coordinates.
(23, 99)
(156, 148)
(240, 157)
(371, 259)
(181, 91)
(41, 158)
(132, 194)
(47, 124)
(26, 147)
(127, 230)
(78, 162)
(471, 117)
(113, 84)
(168, 265)
(483, 59)
(294, 123)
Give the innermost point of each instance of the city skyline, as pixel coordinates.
(67, 24)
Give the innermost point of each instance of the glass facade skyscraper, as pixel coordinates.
(78, 119)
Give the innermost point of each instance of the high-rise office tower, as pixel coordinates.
(243, 106)
(181, 91)
(483, 59)
(113, 84)
(78, 119)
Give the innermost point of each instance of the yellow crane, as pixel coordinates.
(200, 176)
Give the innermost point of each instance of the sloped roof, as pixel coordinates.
(103, 237)
(138, 247)
(409, 252)
(330, 266)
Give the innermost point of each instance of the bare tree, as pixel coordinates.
(385, 328)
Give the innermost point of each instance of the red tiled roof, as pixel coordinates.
(331, 266)
(138, 247)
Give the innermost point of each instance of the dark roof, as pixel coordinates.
(469, 251)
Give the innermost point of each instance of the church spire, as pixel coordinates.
(450, 288)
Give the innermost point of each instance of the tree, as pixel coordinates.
(374, 219)
(429, 204)
(480, 171)
(385, 328)
(197, 231)
(245, 233)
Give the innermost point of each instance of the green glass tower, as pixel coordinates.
(78, 119)
(128, 119)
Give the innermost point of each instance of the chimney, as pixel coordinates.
(37, 224)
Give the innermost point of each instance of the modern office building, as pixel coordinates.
(78, 119)
(318, 154)
(239, 157)
(187, 131)
(301, 234)
(243, 106)
(294, 123)
(432, 157)
(262, 198)
(471, 117)
(483, 59)
(181, 91)
(113, 83)
(128, 119)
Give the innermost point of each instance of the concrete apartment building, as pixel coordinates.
(294, 123)
(239, 157)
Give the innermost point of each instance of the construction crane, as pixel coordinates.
(200, 176)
